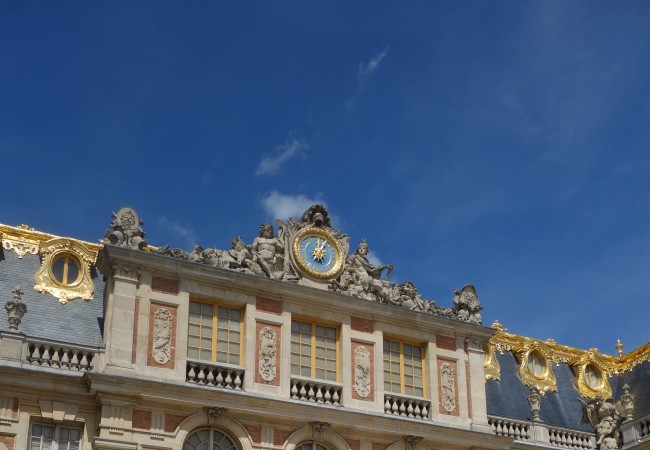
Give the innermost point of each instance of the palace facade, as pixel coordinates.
(292, 342)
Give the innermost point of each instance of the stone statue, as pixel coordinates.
(16, 309)
(270, 249)
(606, 417)
(466, 305)
(368, 276)
(271, 256)
(126, 230)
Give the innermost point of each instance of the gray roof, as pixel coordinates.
(508, 397)
(77, 322)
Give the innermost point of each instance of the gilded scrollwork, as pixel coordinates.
(65, 269)
(22, 247)
(591, 367)
(591, 379)
(491, 364)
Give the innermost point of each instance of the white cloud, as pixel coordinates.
(280, 206)
(270, 165)
(184, 234)
(374, 259)
(365, 71)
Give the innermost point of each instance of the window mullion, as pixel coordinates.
(401, 368)
(215, 332)
(313, 350)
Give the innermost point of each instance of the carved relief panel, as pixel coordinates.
(448, 387)
(162, 336)
(267, 354)
(362, 371)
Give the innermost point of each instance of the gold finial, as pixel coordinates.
(619, 347)
(497, 326)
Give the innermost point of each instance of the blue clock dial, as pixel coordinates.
(318, 254)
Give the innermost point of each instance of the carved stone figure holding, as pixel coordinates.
(605, 416)
(126, 230)
(368, 275)
(466, 305)
(270, 249)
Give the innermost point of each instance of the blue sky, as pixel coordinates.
(504, 144)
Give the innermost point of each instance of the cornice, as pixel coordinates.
(186, 397)
(111, 256)
(25, 233)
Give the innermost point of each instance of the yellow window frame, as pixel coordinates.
(423, 365)
(337, 346)
(215, 329)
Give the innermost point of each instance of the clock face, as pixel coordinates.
(317, 253)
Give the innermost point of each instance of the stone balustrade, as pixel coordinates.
(48, 354)
(317, 391)
(512, 428)
(643, 427)
(215, 375)
(560, 437)
(405, 406)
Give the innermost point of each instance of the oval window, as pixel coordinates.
(536, 364)
(593, 377)
(65, 269)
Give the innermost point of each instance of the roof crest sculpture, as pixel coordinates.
(306, 251)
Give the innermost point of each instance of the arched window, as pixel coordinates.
(593, 377)
(208, 439)
(536, 364)
(310, 445)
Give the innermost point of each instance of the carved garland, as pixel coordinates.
(362, 371)
(268, 350)
(162, 335)
(448, 387)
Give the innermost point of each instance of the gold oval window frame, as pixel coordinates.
(49, 280)
(536, 359)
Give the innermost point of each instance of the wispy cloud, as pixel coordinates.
(365, 71)
(270, 165)
(374, 259)
(183, 233)
(280, 206)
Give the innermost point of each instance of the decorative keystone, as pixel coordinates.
(411, 441)
(215, 415)
(318, 429)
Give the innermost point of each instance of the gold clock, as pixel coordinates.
(318, 254)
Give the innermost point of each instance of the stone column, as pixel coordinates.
(120, 317)
(476, 374)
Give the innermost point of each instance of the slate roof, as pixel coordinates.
(507, 397)
(77, 322)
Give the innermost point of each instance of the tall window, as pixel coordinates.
(53, 437)
(313, 351)
(403, 368)
(208, 439)
(214, 333)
